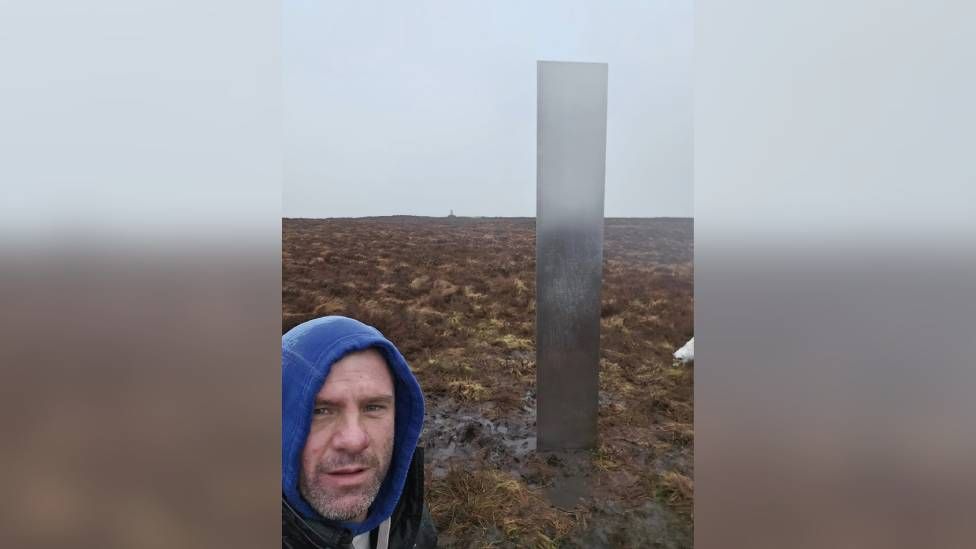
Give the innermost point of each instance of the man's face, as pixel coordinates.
(350, 441)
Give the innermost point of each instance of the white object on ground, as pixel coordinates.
(686, 353)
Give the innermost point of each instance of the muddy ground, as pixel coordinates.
(457, 297)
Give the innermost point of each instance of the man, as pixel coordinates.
(351, 415)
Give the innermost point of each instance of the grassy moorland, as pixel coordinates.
(457, 297)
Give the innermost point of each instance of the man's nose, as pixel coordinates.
(351, 436)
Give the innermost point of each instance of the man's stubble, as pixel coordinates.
(348, 505)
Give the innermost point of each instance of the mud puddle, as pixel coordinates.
(477, 436)
(457, 434)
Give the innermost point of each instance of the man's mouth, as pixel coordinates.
(347, 471)
(347, 477)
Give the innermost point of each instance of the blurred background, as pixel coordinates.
(139, 274)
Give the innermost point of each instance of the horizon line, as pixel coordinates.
(484, 216)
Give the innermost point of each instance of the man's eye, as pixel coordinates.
(375, 407)
(320, 411)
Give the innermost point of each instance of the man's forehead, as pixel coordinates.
(368, 367)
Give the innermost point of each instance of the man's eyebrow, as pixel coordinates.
(376, 399)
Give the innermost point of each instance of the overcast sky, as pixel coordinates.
(427, 106)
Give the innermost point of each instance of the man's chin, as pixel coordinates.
(351, 509)
(345, 507)
(341, 501)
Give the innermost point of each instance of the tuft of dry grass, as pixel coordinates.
(467, 390)
(514, 342)
(607, 457)
(675, 489)
(492, 508)
(329, 306)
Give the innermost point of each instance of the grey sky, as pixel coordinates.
(422, 107)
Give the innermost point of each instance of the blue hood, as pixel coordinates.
(308, 352)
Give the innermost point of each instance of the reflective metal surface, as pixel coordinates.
(571, 166)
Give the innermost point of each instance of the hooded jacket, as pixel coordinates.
(308, 352)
